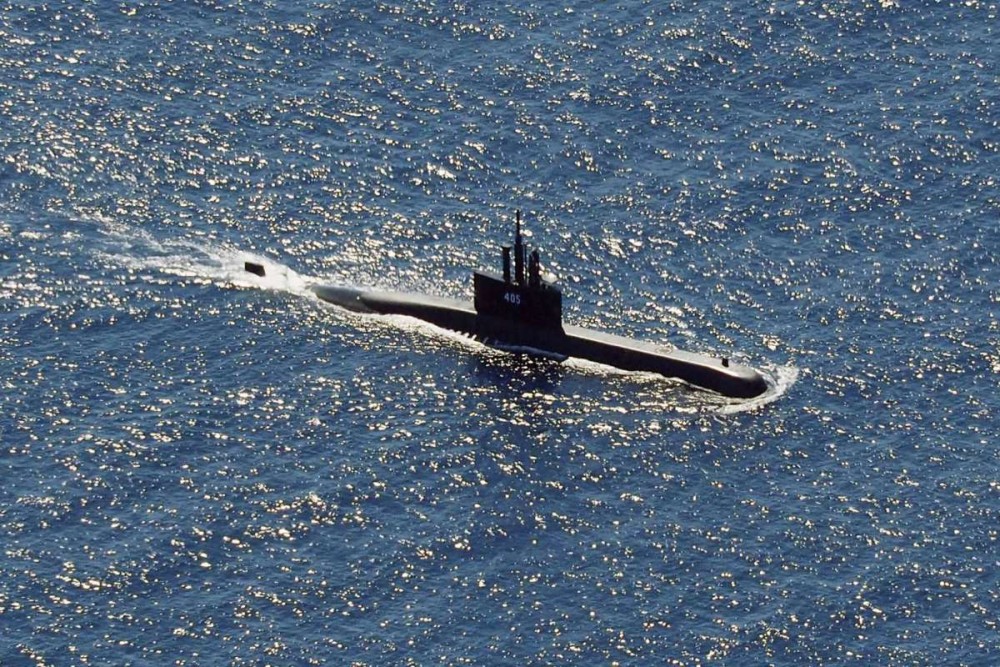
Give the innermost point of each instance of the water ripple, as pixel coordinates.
(200, 466)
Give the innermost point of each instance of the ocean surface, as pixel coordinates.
(200, 467)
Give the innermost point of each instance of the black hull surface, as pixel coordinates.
(711, 373)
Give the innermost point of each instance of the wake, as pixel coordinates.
(779, 381)
(200, 261)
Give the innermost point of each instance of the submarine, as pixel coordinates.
(520, 309)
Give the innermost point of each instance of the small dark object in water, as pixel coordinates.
(254, 268)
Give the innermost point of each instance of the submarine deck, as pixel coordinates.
(707, 372)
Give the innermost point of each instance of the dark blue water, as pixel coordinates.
(201, 468)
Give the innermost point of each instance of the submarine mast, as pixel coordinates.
(518, 252)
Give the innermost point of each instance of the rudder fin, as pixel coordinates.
(254, 268)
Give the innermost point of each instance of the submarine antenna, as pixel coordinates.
(534, 270)
(518, 251)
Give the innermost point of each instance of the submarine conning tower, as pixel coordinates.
(518, 298)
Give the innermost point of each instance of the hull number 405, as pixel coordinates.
(513, 298)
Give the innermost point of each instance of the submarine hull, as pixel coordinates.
(718, 375)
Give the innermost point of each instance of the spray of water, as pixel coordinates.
(779, 380)
(198, 260)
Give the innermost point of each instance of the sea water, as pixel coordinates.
(201, 467)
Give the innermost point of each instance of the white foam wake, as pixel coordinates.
(197, 259)
(779, 381)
